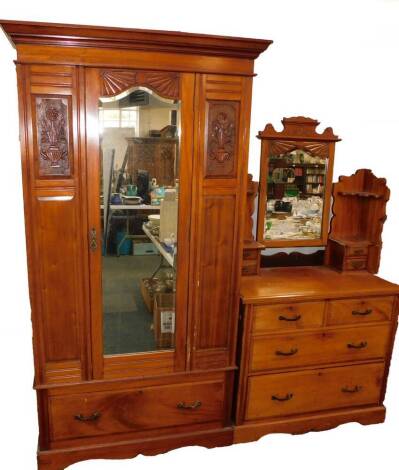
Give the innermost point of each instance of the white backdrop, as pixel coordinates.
(336, 61)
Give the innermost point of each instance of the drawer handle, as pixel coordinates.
(182, 405)
(362, 313)
(357, 264)
(283, 318)
(94, 417)
(289, 396)
(287, 353)
(355, 389)
(361, 345)
(358, 252)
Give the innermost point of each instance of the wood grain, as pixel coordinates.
(40, 33)
(136, 409)
(351, 311)
(320, 347)
(313, 390)
(288, 316)
(279, 285)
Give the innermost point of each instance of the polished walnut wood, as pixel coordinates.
(288, 317)
(115, 82)
(314, 341)
(279, 285)
(313, 390)
(301, 332)
(326, 346)
(252, 248)
(84, 396)
(40, 34)
(355, 242)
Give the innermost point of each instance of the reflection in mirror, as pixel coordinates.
(295, 196)
(139, 144)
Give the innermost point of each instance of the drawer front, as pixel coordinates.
(313, 390)
(288, 316)
(355, 264)
(357, 250)
(373, 309)
(94, 414)
(250, 254)
(249, 268)
(322, 347)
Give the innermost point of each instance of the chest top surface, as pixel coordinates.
(311, 282)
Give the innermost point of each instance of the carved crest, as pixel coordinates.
(166, 84)
(222, 136)
(53, 136)
(298, 127)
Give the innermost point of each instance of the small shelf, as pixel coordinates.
(352, 241)
(360, 194)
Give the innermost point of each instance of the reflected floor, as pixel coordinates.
(127, 321)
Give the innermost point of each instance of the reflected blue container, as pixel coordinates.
(126, 247)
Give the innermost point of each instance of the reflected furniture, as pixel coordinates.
(317, 332)
(97, 405)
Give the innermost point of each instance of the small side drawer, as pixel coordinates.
(250, 254)
(313, 390)
(361, 250)
(288, 316)
(99, 413)
(349, 311)
(249, 268)
(321, 347)
(355, 264)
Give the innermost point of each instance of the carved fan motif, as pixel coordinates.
(114, 82)
(317, 149)
(52, 136)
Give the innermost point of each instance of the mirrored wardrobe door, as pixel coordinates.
(139, 174)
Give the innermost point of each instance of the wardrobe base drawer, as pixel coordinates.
(313, 390)
(101, 413)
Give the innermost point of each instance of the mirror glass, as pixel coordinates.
(139, 152)
(295, 196)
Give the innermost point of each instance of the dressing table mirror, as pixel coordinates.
(295, 184)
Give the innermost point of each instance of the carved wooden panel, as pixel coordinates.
(222, 134)
(216, 268)
(53, 136)
(166, 84)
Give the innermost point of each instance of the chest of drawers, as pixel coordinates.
(316, 348)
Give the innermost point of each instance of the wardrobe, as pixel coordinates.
(92, 404)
